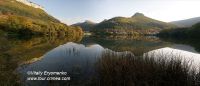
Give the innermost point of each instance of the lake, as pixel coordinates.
(24, 59)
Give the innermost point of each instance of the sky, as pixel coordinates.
(74, 11)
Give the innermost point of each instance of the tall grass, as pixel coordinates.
(128, 70)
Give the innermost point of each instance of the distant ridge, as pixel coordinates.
(86, 26)
(186, 22)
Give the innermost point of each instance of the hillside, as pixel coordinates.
(86, 26)
(187, 22)
(137, 24)
(182, 33)
(19, 18)
(16, 8)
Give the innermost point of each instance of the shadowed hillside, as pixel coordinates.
(182, 33)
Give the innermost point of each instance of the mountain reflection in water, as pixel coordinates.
(76, 59)
(79, 61)
(171, 53)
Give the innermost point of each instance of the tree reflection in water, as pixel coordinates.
(15, 51)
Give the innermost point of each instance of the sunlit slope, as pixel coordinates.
(137, 22)
(18, 18)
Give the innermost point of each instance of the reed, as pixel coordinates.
(125, 69)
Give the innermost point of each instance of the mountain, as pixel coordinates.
(27, 18)
(14, 7)
(137, 24)
(187, 22)
(86, 26)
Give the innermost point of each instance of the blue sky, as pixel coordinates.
(73, 11)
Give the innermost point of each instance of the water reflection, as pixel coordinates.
(80, 62)
(195, 43)
(76, 59)
(184, 47)
(16, 51)
(171, 53)
(138, 45)
(61, 54)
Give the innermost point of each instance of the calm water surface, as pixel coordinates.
(77, 58)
